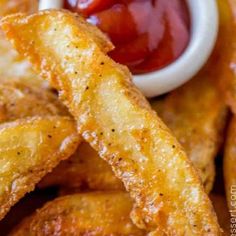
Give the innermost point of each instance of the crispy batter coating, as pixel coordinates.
(30, 148)
(230, 163)
(101, 214)
(84, 170)
(196, 113)
(21, 100)
(115, 118)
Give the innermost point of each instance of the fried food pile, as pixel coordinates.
(119, 164)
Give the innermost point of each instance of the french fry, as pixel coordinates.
(230, 162)
(21, 100)
(84, 170)
(115, 118)
(82, 214)
(197, 122)
(30, 148)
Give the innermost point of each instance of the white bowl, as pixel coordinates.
(48, 4)
(204, 29)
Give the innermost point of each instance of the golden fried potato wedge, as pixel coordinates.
(115, 118)
(197, 123)
(84, 170)
(21, 100)
(83, 214)
(196, 113)
(30, 148)
(230, 164)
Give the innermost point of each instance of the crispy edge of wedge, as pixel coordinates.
(26, 159)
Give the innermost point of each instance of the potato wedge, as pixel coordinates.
(115, 118)
(230, 164)
(198, 123)
(84, 170)
(83, 214)
(21, 100)
(30, 148)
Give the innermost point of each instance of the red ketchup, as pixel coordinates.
(148, 34)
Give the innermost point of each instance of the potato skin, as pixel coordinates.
(30, 148)
(115, 118)
(101, 214)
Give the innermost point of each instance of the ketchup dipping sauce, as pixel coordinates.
(148, 34)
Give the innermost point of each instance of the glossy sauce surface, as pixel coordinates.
(148, 34)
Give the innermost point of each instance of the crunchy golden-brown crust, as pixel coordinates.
(196, 113)
(230, 163)
(117, 121)
(30, 148)
(100, 214)
(84, 170)
(21, 100)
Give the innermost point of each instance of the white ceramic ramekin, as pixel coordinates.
(204, 29)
